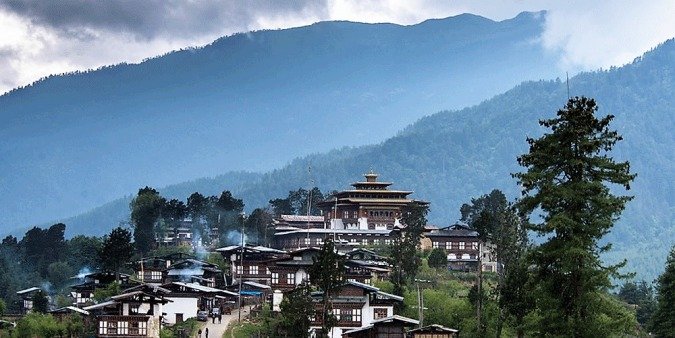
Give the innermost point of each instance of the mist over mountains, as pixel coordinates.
(449, 157)
(248, 102)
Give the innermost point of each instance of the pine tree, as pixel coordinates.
(663, 320)
(116, 250)
(297, 309)
(498, 224)
(405, 263)
(146, 209)
(568, 172)
(327, 273)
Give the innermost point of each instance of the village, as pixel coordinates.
(169, 290)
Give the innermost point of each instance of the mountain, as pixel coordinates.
(247, 102)
(449, 157)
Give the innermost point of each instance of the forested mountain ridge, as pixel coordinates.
(449, 157)
(246, 102)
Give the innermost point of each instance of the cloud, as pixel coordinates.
(150, 19)
(38, 38)
(591, 35)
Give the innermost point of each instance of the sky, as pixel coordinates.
(43, 37)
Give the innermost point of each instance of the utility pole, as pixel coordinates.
(241, 261)
(420, 301)
(479, 303)
(309, 203)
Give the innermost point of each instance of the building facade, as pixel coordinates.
(361, 216)
(355, 305)
(463, 248)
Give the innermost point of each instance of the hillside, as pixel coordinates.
(246, 102)
(451, 156)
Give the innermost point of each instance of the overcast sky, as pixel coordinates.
(42, 37)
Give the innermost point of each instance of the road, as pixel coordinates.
(216, 330)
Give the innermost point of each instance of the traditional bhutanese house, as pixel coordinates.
(433, 331)
(179, 234)
(296, 222)
(355, 305)
(131, 314)
(83, 292)
(366, 255)
(149, 288)
(389, 327)
(192, 270)
(285, 225)
(187, 298)
(255, 291)
(460, 244)
(154, 269)
(176, 257)
(290, 271)
(63, 312)
(151, 270)
(255, 263)
(363, 215)
(27, 298)
(365, 266)
(252, 293)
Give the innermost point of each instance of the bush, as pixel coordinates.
(438, 259)
(39, 325)
(188, 326)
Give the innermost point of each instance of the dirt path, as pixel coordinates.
(216, 330)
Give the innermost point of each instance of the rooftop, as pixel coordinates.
(397, 318)
(257, 285)
(455, 230)
(434, 328)
(201, 288)
(21, 292)
(249, 248)
(301, 218)
(335, 231)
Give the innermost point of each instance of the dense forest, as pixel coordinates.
(453, 154)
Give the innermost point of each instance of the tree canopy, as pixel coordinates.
(146, 209)
(327, 273)
(116, 250)
(569, 171)
(404, 259)
(297, 201)
(437, 259)
(297, 309)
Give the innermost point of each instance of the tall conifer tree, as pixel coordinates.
(327, 273)
(116, 250)
(567, 178)
(146, 208)
(663, 320)
(405, 263)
